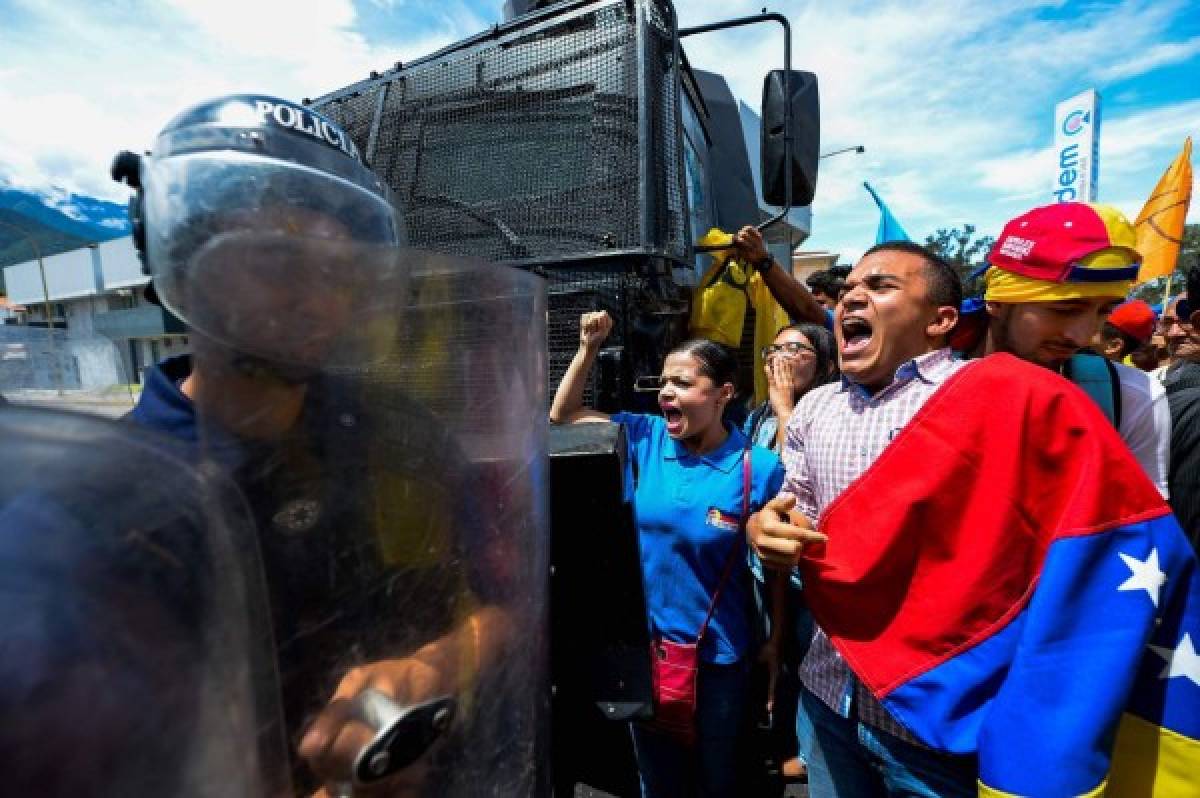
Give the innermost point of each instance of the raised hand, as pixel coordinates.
(750, 245)
(594, 327)
(781, 386)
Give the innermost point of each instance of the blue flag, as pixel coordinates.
(889, 228)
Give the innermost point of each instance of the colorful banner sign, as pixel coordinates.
(1077, 148)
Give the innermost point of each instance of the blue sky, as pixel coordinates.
(953, 101)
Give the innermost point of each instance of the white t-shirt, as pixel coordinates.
(1146, 422)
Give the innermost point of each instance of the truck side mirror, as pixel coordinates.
(806, 138)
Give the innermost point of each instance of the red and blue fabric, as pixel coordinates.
(1009, 584)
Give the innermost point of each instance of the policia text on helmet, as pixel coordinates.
(257, 199)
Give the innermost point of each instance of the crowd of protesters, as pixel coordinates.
(868, 352)
(959, 532)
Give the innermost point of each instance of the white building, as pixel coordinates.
(104, 332)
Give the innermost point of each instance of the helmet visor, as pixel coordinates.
(194, 201)
(295, 301)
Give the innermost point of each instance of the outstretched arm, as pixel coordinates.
(567, 407)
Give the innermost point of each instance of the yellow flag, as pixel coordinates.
(1160, 224)
(719, 302)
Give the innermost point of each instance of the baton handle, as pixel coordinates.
(402, 734)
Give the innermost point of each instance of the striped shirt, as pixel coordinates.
(836, 432)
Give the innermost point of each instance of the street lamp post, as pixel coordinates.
(37, 253)
(858, 148)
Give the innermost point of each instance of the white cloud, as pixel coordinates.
(1134, 144)
(1159, 55)
(1134, 149)
(304, 38)
(953, 103)
(80, 81)
(1019, 173)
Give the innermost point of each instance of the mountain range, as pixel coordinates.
(57, 221)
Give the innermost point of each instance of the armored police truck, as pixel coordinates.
(574, 140)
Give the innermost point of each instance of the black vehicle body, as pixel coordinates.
(575, 140)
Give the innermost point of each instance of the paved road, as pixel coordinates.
(109, 408)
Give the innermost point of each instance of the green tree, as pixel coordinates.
(964, 251)
(1154, 290)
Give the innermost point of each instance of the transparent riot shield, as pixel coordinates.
(74, 370)
(382, 411)
(134, 653)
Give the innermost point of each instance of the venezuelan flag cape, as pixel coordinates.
(1009, 584)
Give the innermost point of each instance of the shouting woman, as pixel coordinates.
(689, 471)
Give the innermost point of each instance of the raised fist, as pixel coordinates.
(594, 328)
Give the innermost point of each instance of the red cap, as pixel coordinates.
(1134, 318)
(1047, 243)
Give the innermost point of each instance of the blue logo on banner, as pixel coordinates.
(1075, 122)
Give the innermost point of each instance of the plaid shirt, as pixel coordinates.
(836, 432)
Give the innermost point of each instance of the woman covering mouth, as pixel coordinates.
(801, 357)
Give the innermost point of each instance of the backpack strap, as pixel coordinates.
(1098, 378)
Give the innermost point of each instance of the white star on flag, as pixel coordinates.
(1145, 575)
(1181, 661)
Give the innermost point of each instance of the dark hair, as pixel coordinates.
(1129, 344)
(717, 362)
(1193, 288)
(825, 347)
(826, 283)
(944, 284)
(1145, 357)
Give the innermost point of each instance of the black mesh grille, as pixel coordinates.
(650, 316)
(570, 294)
(745, 354)
(431, 353)
(529, 146)
(666, 178)
(356, 114)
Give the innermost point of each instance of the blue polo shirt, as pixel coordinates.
(688, 508)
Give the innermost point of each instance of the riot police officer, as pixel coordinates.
(266, 234)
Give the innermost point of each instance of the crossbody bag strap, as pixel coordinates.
(741, 534)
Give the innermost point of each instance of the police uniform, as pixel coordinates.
(360, 522)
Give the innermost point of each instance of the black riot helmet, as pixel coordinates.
(246, 192)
